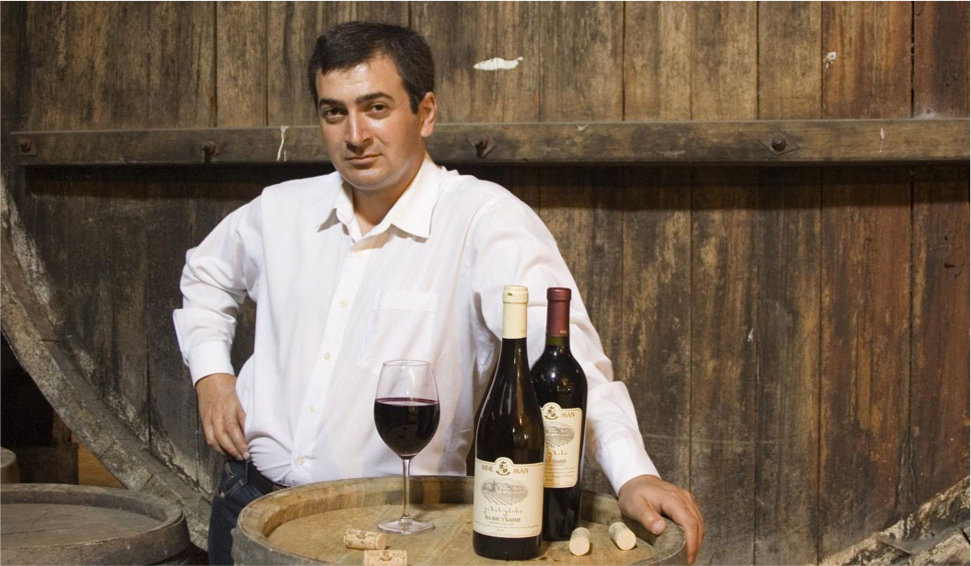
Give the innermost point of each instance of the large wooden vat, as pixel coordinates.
(304, 525)
(794, 332)
(69, 524)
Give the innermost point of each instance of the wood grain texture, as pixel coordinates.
(870, 75)
(787, 450)
(292, 31)
(657, 60)
(724, 291)
(939, 343)
(865, 302)
(788, 259)
(655, 354)
(865, 352)
(941, 59)
(148, 65)
(939, 368)
(580, 43)
(241, 73)
(789, 61)
(724, 77)
(724, 360)
(462, 34)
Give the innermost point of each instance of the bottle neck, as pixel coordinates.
(558, 322)
(558, 343)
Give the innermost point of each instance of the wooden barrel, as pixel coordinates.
(9, 473)
(304, 525)
(69, 524)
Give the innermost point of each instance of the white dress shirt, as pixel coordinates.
(332, 305)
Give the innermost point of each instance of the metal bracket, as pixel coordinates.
(483, 144)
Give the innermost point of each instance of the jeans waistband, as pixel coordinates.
(259, 481)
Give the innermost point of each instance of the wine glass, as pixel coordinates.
(406, 416)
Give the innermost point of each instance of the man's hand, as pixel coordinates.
(221, 414)
(644, 498)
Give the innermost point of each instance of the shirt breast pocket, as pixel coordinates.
(400, 327)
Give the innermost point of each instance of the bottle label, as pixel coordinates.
(563, 429)
(508, 499)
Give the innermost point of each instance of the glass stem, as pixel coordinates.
(406, 464)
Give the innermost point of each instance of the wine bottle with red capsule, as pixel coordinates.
(561, 391)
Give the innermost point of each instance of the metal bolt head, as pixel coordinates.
(778, 142)
(25, 144)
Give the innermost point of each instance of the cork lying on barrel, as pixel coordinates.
(622, 536)
(385, 558)
(360, 539)
(580, 541)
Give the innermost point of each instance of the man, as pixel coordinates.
(389, 257)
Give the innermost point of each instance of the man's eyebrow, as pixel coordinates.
(359, 100)
(371, 96)
(329, 102)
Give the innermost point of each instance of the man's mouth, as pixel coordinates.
(362, 158)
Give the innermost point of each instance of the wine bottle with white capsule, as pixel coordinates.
(507, 504)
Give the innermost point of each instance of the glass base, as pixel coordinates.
(405, 526)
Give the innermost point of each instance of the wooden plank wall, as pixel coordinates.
(795, 339)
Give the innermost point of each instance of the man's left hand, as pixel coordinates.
(645, 498)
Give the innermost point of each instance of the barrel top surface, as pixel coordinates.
(53, 523)
(306, 524)
(7, 457)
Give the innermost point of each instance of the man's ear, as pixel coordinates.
(427, 114)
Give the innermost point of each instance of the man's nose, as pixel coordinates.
(358, 134)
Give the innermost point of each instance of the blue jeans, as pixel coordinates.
(235, 492)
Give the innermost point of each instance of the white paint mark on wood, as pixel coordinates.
(497, 64)
(751, 335)
(883, 138)
(281, 153)
(828, 59)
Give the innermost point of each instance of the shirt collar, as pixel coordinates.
(412, 213)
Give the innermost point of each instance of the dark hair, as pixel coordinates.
(350, 44)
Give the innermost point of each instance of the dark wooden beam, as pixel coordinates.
(756, 142)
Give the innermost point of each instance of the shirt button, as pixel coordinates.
(300, 461)
(327, 356)
(313, 408)
(343, 304)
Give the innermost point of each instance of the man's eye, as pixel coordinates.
(331, 114)
(379, 107)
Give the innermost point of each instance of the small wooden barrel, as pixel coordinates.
(304, 525)
(9, 473)
(70, 524)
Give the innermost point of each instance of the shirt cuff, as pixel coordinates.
(209, 358)
(627, 460)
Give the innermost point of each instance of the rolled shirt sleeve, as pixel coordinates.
(513, 246)
(217, 277)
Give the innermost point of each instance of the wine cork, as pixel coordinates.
(385, 558)
(365, 540)
(580, 541)
(622, 536)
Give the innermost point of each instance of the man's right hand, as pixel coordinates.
(221, 414)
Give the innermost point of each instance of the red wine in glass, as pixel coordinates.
(406, 415)
(406, 425)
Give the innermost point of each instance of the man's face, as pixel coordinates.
(373, 138)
